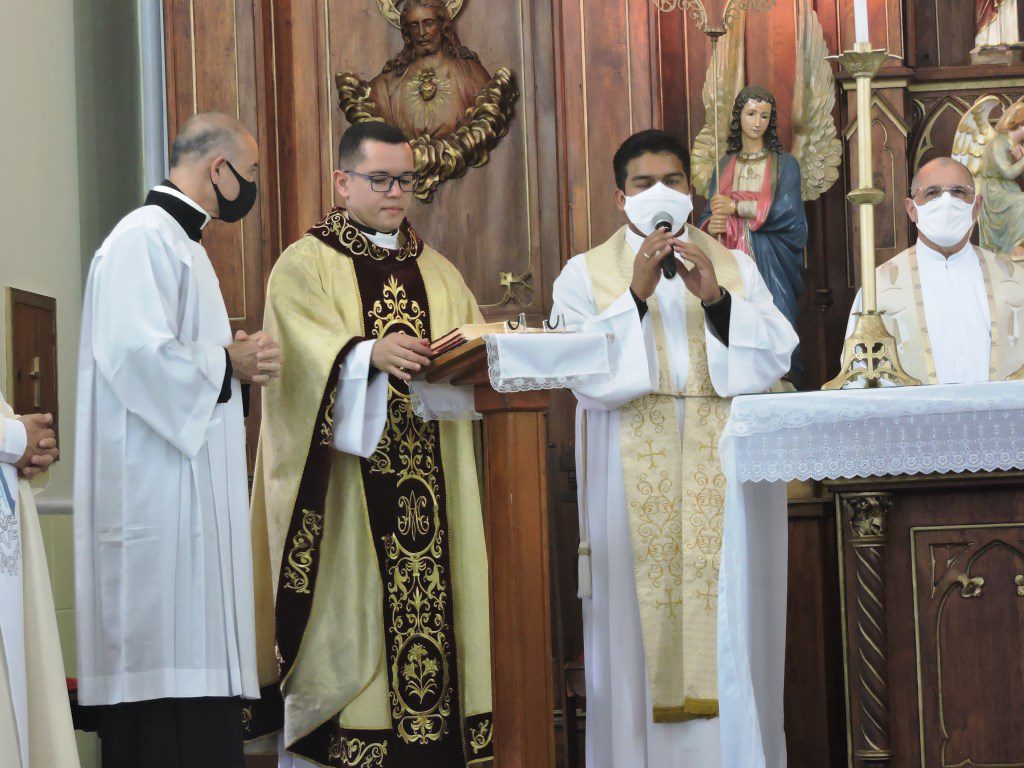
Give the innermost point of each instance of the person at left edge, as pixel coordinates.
(163, 562)
(35, 719)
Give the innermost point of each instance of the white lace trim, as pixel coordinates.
(559, 378)
(919, 430)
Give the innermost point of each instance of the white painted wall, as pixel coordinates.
(40, 245)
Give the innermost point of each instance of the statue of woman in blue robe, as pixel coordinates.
(754, 201)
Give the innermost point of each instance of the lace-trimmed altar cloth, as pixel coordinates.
(520, 362)
(771, 439)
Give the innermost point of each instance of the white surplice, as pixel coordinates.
(35, 716)
(620, 731)
(956, 311)
(163, 559)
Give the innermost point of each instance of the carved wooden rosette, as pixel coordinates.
(864, 517)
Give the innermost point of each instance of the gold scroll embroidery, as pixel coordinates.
(480, 737)
(416, 579)
(356, 753)
(300, 556)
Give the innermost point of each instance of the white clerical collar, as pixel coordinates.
(928, 255)
(387, 240)
(185, 198)
(634, 241)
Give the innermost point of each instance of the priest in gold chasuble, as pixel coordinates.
(651, 485)
(371, 569)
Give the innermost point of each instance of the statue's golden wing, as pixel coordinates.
(973, 132)
(816, 144)
(727, 82)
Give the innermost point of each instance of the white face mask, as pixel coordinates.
(656, 204)
(945, 221)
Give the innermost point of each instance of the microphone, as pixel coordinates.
(663, 221)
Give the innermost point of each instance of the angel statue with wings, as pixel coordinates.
(995, 156)
(756, 190)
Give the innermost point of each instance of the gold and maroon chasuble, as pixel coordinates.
(414, 690)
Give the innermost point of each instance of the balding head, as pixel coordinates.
(207, 134)
(213, 152)
(941, 172)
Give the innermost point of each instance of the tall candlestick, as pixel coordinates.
(869, 353)
(860, 20)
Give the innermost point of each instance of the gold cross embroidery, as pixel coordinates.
(670, 602)
(650, 454)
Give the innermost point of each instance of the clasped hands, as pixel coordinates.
(40, 447)
(255, 359)
(700, 278)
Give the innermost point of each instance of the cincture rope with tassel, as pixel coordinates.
(585, 587)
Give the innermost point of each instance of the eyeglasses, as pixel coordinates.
(384, 182)
(958, 191)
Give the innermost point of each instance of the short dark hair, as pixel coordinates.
(650, 142)
(350, 148)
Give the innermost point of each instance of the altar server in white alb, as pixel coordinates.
(35, 719)
(163, 558)
(953, 308)
(652, 490)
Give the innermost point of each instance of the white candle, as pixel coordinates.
(860, 20)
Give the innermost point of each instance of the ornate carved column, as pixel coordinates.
(863, 517)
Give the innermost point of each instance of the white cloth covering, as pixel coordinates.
(163, 558)
(956, 311)
(772, 439)
(620, 731)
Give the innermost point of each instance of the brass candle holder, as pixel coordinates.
(869, 354)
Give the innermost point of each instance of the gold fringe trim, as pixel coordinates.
(692, 709)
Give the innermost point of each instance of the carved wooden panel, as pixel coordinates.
(937, 112)
(952, 628)
(889, 132)
(969, 615)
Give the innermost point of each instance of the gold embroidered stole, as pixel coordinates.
(675, 494)
(902, 302)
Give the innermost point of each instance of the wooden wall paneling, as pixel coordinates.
(814, 702)
(215, 59)
(672, 74)
(610, 89)
(771, 59)
(944, 31)
(302, 100)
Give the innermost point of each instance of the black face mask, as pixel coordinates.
(233, 210)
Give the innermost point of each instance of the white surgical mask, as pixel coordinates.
(945, 221)
(658, 203)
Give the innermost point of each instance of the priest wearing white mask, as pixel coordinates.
(651, 485)
(952, 307)
(163, 559)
